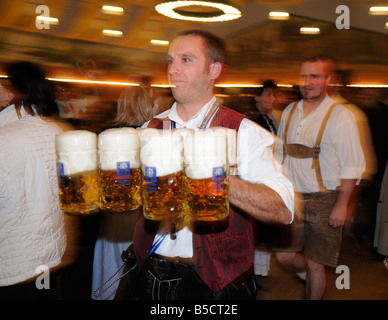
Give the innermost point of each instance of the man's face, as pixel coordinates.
(62, 93)
(313, 80)
(190, 73)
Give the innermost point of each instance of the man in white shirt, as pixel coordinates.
(219, 265)
(324, 173)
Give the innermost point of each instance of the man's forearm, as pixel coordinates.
(259, 201)
(339, 213)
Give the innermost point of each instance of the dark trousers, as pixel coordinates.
(161, 279)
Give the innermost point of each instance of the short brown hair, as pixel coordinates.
(326, 59)
(215, 46)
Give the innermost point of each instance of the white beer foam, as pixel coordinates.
(161, 149)
(77, 151)
(118, 145)
(204, 150)
(231, 135)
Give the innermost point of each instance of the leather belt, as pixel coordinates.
(301, 151)
(176, 259)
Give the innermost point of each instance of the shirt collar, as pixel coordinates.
(325, 104)
(8, 115)
(195, 120)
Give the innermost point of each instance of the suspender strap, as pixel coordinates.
(316, 149)
(286, 129)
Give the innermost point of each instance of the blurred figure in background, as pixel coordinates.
(265, 98)
(320, 147)
(134, 107)
(381, 228)
(32, 226)
(70, 105)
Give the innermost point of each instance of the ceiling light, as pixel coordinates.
(112, 10)
(378, 10)
(273, 15)
(309, 30)
(174, 10)
(114, 33)
(115, 83)
(48, 19)
(160, 42)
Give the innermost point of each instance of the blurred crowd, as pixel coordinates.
(96, 108)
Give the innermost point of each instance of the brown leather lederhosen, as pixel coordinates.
(301, 151)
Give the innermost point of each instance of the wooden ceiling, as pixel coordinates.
(258, 47)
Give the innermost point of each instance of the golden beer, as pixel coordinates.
(206, 168)
(161, 156)
(78, 193)
(77, 170)
(207, 199)
(120, 192)
(120, 173)
(163, 197)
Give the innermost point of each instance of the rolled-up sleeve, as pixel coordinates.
(348, 147)
(256, 163)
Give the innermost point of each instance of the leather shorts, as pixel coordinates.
(162, 279)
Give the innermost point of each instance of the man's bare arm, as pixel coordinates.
(258, 200)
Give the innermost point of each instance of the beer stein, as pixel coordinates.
(119, 164)
(206, 175)
(77, 172)
(231, 137)
(161, 155)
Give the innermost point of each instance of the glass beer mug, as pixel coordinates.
(119, 164)
(161, 154)
(206, 175)
(77, 172)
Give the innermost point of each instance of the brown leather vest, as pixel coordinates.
(219, 257)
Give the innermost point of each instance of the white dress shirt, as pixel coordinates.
(341, 154)
(255, 164)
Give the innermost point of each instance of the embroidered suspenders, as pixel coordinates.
(300, 151)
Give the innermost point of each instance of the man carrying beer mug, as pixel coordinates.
(181, 263)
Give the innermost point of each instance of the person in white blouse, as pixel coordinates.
(32, 226)
(220, 265)
(324, 171)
